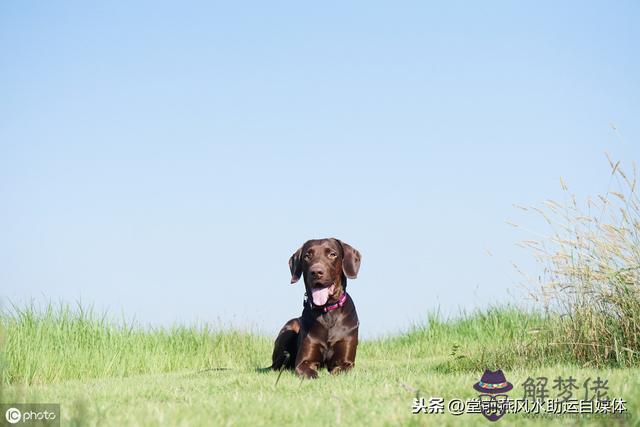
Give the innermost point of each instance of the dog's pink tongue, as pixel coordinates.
(320, 295)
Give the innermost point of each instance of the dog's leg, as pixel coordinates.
(286, 343)
(309, 357)
(344, 355)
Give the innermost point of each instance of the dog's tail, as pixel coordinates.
(278, 365)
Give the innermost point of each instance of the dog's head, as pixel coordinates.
(325, 265)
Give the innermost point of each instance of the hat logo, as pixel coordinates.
(493, 386)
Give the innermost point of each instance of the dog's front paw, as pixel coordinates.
(311, 374)
(306, 371)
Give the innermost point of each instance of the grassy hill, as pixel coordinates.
(104, 373)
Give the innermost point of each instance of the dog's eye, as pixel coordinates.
(333, 255)
(307, 256)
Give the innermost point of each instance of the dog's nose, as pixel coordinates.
(316, 272)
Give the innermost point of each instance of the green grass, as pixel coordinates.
(58, 343)
(105, 373)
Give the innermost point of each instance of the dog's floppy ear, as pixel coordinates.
(295, 265)
(350, 260)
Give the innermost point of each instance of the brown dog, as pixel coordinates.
(327, 332)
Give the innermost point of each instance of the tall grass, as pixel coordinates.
(57, 343)
(42, 345)
(591, 272)
(498, 337)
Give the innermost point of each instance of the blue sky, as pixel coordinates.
(164, 160)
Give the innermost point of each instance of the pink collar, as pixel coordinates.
(328, 308)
